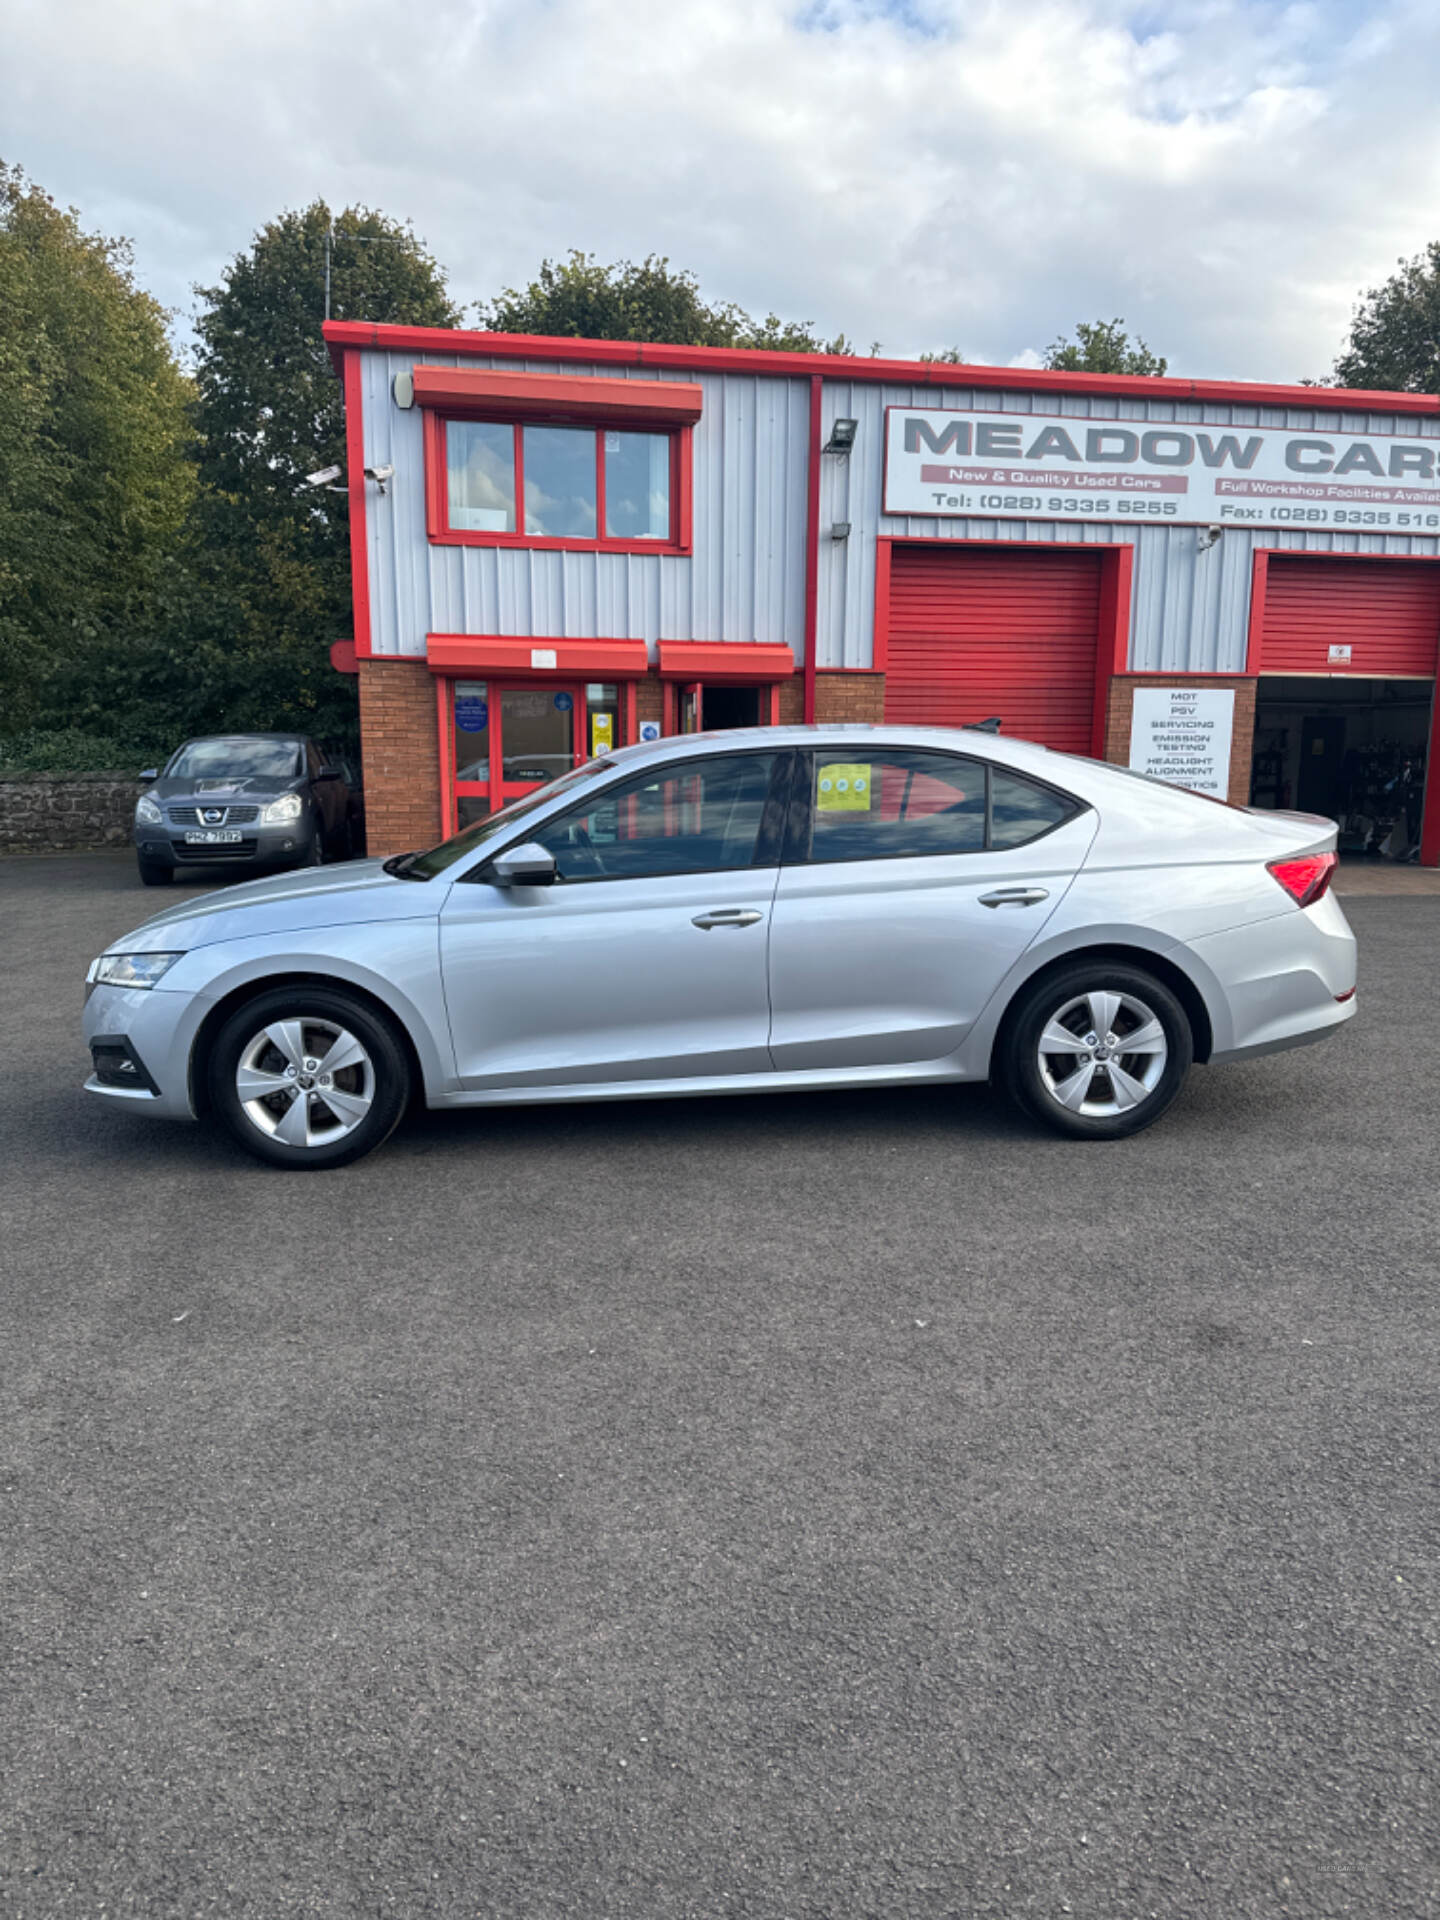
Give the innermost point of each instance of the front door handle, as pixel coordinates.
(1014, 897)
(726, 917)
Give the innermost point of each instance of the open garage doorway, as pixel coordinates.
(1353, 749)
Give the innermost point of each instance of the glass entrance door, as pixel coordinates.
(507, 740)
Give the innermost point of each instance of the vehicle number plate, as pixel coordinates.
(214, 837)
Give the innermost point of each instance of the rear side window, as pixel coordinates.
(900, 803)
(1021, 811)
(896, 803)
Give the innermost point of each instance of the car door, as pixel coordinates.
(646, 960)
(912, 882)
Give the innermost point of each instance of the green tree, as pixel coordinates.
(1103, 346)
(94, 482)
(579, 298)
(946, 357)
(1395, 335)
(266, 584)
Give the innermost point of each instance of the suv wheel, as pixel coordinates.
(309, 1077)
(154, 873)
(1098, 1051)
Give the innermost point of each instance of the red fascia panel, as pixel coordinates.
(732, 661)
(670, 403)
(340, 334)
(490, 653)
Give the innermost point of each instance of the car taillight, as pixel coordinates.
(1304, 880)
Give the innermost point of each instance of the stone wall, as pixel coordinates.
(47, 813)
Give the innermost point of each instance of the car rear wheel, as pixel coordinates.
(308, 1078)
(1097, 1051)
(154, 873)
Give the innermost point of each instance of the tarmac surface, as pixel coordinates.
(798, 1508)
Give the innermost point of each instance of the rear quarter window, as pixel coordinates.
(1021, 811)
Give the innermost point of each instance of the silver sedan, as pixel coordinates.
(770, 909)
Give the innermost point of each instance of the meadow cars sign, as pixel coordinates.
(1054, 466)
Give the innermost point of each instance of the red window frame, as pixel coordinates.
(437, 487)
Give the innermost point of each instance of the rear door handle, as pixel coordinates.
(1014, 897)
(727, 917)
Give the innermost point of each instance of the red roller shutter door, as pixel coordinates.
(1386, 611)
(976, 631)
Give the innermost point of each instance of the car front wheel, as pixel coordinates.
(1098, 1050)
(308, 1078)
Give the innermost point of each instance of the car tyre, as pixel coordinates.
(154, 873)
(1063, 1056)
(321, 1046)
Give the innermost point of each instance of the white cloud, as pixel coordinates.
(1227, 174)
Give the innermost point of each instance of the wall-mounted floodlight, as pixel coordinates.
(840, 530)
(323, 477)
(842, 436)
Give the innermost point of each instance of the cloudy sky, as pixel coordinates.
(1226, 174)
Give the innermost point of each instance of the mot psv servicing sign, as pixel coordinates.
(1053, 466)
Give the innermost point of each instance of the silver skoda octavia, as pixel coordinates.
(777, 908)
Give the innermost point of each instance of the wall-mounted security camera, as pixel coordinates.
(323, 477)
(1207, 537)
(380, 475)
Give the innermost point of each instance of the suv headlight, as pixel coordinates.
(281, 812)
(130, 969)
(147, 814)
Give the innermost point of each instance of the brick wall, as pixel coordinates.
(1242, 740)
(850, 696)
(400, 743)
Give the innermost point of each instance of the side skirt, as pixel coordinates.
(899, 1076)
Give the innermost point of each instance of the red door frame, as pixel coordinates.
(498, 791)
(1112, 626)
(1430, 804)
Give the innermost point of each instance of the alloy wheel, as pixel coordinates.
(1102, 1054)
(305, 1082)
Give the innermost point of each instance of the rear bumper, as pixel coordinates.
(1282, 980)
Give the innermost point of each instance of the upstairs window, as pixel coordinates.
(559, 483)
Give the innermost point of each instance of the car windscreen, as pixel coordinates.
(423, 866)
(236, 760)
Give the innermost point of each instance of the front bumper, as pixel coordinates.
(258, 846)
(156, 1030)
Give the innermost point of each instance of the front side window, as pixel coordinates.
(558, 483)
(704, 816)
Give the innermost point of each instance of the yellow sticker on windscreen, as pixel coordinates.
(843, 789)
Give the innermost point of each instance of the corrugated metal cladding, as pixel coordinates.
(745, 580)
(1190, 611)
(1388, 616)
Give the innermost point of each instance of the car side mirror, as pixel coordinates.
(529, 866)
(150, 773)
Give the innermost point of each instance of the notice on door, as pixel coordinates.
(1182, 734)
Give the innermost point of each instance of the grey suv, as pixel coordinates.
(247, 800)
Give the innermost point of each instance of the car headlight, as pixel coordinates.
(130, 969)
(147, 814)
(281, 812)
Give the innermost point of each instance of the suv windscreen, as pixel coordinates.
(236, 760)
